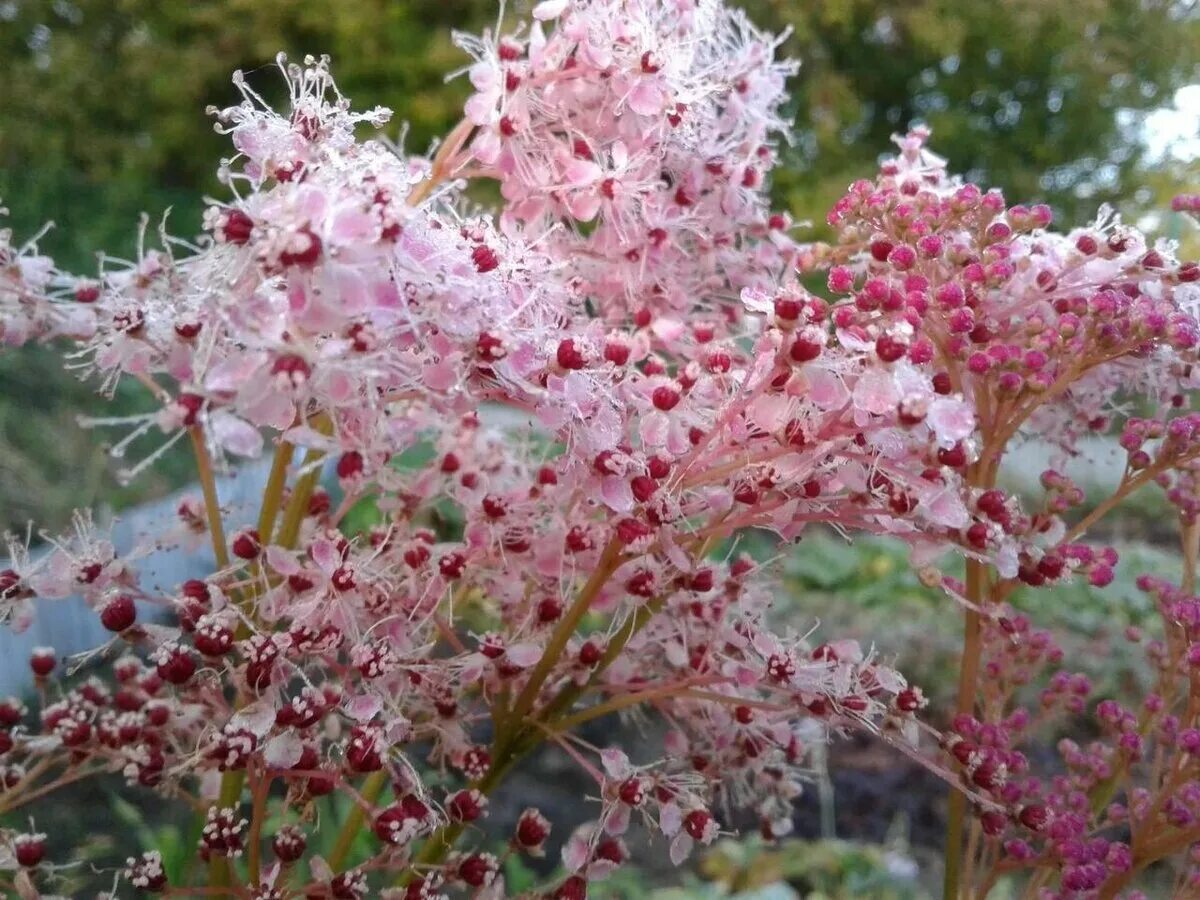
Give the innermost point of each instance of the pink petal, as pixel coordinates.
(580, 172)
(486, 146)
(584, 207)
(647, 99)
(575, 854)
(617, 494)
(282, 561)
(951, 420)
(484, 76)
(654, 429)
(236, 435)
(523, 655)
(283, 751)
(363, 707)
(549, 9)
(615, 763)
(258, 718)
(231, 373)
(352, 225)
(325, 554)
(618, 821)
(876, 392)
(670, 819)
(771, 411)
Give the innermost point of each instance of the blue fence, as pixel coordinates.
(70, 627)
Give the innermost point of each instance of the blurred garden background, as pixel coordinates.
(102, 118)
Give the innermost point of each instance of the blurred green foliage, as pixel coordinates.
(49, 465)
(1022, 94)
(867, 590)
(111, 96)
(175, 841)
(812, 869)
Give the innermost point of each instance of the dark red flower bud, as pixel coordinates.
(532, 830)
(494, 507)
(994, 823)
(590, 653)
(465, 805)
(1034, 817)
(42, 661)
(804, 349)
(289, 844)
(349, 465)
(889, 349)
(119, 613)
(485, 258)
(665, 397)
(177, 666)
(29, 849)
(236, 227)
(569, 356)
(643, 487)
(247, 544)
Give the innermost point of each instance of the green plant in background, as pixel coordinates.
(868, 589)
(1024, 93)
(112, 95)
(174, 842)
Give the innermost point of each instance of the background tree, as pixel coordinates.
(1040, 97)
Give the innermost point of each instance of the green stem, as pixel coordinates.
(273, 493)
(212, 504)
(231, 782)
(260, 793)
(968, 681)
(566, 698)
(981, 475)
(610, 559)
(297, 508)
(371, 789)
(521, 737)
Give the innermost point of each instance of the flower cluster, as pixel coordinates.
(1120, 803)
(1053, 337)
(678, 379)
(647, 129)
(27, 282)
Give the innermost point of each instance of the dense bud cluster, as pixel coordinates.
(639, 306)
(1109, 813)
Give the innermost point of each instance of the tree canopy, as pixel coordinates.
(1040, 97)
